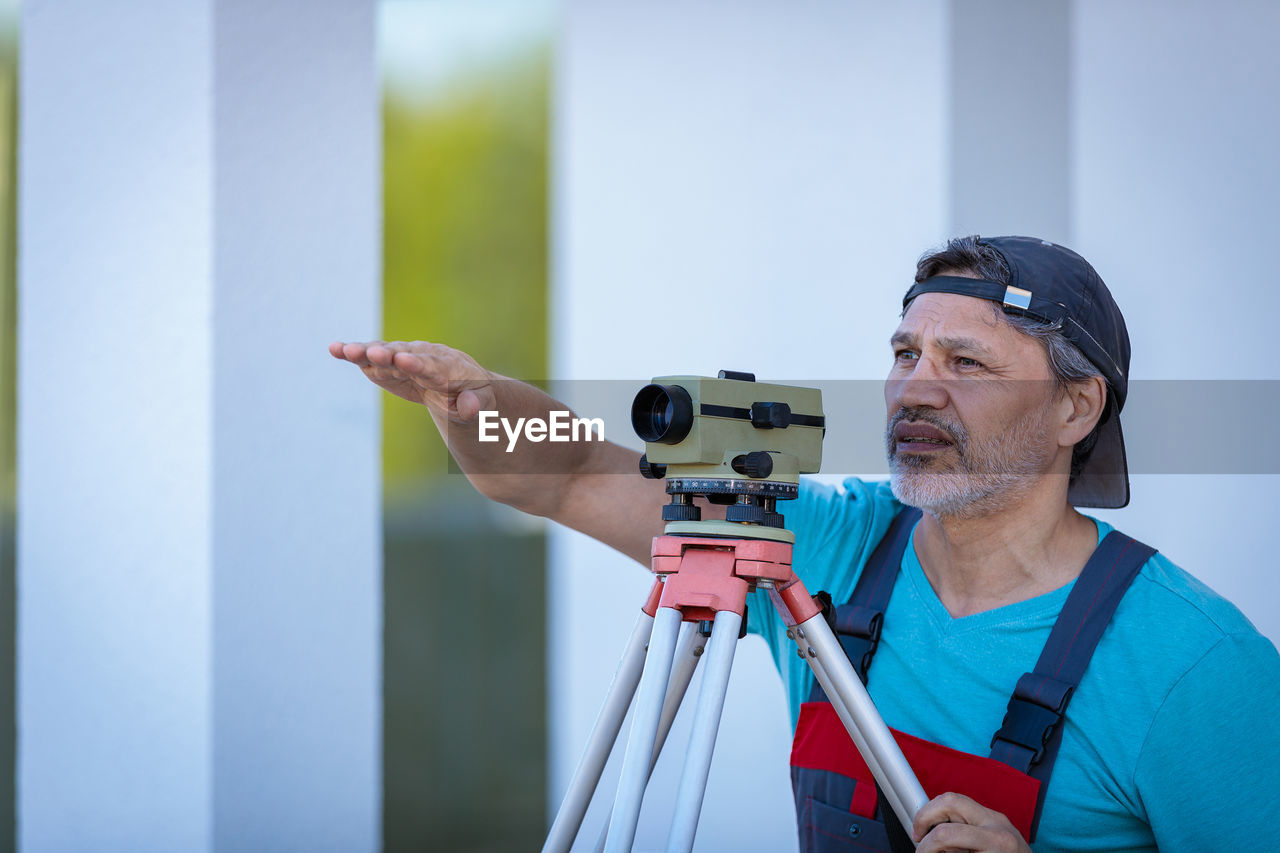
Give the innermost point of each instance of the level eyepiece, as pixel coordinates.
(662, 414)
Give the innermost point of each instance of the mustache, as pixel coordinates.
(919, 414)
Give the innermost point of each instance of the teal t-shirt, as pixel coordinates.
(1170, 741)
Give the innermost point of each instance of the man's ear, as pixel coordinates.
(1088, 398)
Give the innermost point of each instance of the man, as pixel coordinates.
(1003, 401)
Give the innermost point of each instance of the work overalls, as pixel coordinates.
(837, 804)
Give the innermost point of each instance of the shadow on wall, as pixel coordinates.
(464, 695)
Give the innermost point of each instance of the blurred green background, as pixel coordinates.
(8, 395)
(465, 263)
(465, 118)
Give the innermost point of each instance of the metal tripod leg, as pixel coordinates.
(600, 743)
(644, 730)
(604, 733)
(692, 644)
(706, 724)
(846, 716)
(852, 703)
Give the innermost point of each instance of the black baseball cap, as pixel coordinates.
(1052, 284)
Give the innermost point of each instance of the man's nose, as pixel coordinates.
(922, 386)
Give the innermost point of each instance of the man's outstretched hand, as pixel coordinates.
(448, 382)
(590, 486)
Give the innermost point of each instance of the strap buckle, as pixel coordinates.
(858, 629)
(1034, 714)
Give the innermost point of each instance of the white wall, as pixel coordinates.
(717, 163)
(199, 617)
(115, 280)
(738, 189)
(1174, 201)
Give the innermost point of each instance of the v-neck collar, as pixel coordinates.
(1041, 607)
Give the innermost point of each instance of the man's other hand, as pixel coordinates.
(448, 382)
(953, 822)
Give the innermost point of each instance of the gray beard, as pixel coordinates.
(986, 478)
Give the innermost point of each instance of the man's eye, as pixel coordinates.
(968, 362)
(904, 355)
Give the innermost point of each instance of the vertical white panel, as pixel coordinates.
(743, 186)
(115, 429)
(297, 539)
(199, 616)
(1175, 186)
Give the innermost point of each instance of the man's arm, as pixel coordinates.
(591, 486)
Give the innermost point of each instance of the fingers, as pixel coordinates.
(948, 808)
(384, 354)
(955, 822)
(469, 405)
(378, 353)
(351, 352)
(356, 353)
(958, 837)
(433, 365)
(448, 378)
(408, 362)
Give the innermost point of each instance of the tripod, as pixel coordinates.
(704, 581)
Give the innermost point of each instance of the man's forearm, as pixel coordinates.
(527, 469)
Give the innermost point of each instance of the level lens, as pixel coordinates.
(662, 414)
(660, 420)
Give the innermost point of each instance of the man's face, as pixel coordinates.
(971, 407)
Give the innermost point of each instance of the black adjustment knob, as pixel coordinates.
(681, 512)
(748, 513)
(757, 464)
(770, 415)
(752, 514)
(651, 470)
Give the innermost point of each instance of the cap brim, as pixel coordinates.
(1104, 481)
